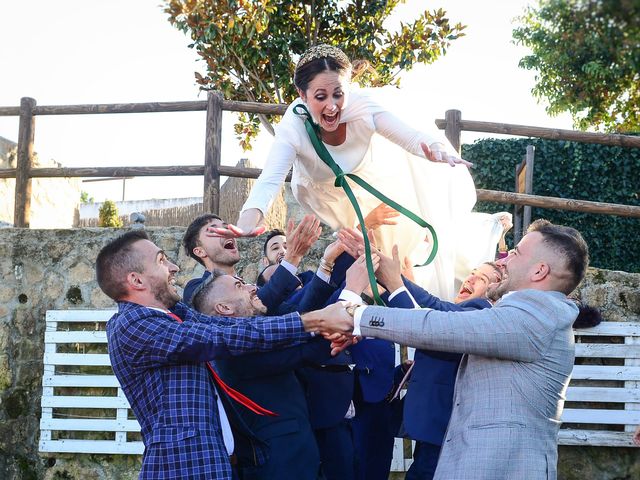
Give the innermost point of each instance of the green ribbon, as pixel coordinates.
(314, 135)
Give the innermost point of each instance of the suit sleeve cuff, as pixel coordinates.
(290, 268)
(323, 276)
(349, 296)
(357, 315)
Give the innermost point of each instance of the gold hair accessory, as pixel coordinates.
(323, 51)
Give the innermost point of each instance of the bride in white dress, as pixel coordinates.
(367, 140)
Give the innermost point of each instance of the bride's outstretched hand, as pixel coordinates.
(230, 230)
(438, 153)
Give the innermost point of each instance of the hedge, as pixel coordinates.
(570, 170)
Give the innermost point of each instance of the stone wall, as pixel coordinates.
(54, 269)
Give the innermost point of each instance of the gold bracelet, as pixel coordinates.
(326, 266)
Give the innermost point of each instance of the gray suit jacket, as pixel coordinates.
(510, 387)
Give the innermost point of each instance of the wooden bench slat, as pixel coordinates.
(80, 381)
(79, 315)
(598, 372)
(92, 446)
(597, 416)
(76, 337)
(84, 402)
(90, 425)
(607, 350)
(86, 359)
(622, 329)
(595, 438)
(603, 394)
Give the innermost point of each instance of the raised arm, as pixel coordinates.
(519, 328)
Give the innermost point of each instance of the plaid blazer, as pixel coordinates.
(510, 387)
(160, 365)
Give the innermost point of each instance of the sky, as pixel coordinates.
(119, 51)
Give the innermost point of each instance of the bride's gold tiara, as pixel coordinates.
(323, 51)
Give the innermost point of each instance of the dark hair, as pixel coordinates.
(307, 72)
(273, 233)
(190, 238)
(203, 290)
(588, 316)
(569, 244)
(496, 268)
(116, 260)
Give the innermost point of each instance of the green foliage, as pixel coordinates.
(85, 198)
(587, 55)
(108, 215)
(250, 47)
(571, 170)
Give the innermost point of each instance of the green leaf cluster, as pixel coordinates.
(570, 170)
(587, 57)
(250, 47)
(108, 215)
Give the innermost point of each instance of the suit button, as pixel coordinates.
(347, 352)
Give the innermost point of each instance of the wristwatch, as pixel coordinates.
(351, 309)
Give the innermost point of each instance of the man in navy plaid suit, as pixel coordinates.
(159, 348)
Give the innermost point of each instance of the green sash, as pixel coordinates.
(314, 130)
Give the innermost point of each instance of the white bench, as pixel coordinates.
(74, 406)
(64, 415)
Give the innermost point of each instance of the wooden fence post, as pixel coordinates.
(213, 140)
(452, 128)
(22, 207)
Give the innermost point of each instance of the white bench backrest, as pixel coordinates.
(63, 415)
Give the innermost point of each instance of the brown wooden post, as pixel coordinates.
(452, 128)
(22, 207)
(213, 140)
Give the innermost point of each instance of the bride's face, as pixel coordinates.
(325, 97)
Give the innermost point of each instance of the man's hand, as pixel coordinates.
(354, 241)
(381, 215)
(437, 152)
(390, 271)
(333, 251)
(301, 238)
(357, 277)
(636, 435)
(407, 270)
(329, 320)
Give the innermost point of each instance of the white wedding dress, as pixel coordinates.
(385, 152)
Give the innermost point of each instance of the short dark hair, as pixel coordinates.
(272, 233)
(307, 72)
(116, 260)
(204, 289)
(569, 244)
(496, 268)
(190, 238)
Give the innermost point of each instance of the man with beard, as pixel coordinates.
(510, 386)
(159, 350)
(216, 252)
(270, 379)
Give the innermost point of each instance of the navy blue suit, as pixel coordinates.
(374, 427)
(429, 399)
(269, 379)
(281, 284)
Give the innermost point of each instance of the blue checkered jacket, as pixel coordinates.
(160, 365)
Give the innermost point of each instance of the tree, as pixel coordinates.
(108, 215)
(250, 46)
(587, 55)
(85, 198)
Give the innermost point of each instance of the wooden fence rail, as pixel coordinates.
(212, 169)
